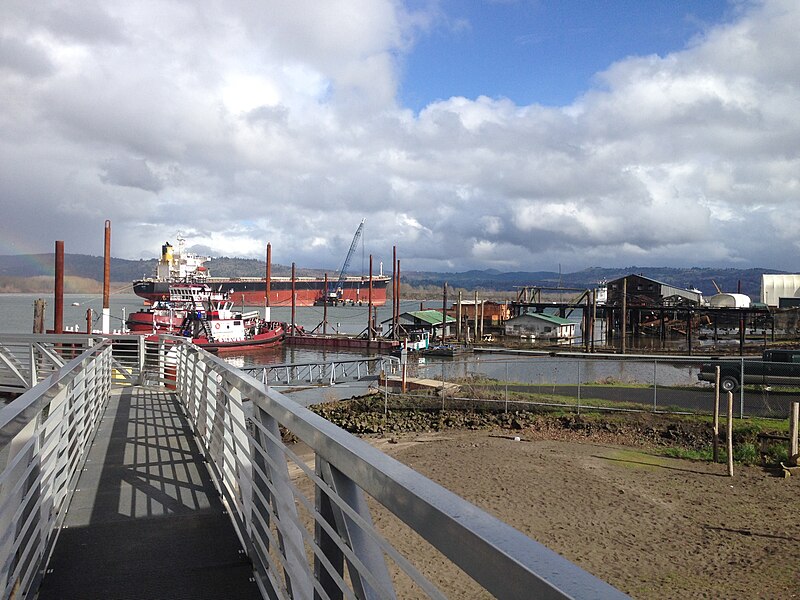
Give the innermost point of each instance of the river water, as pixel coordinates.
(16, 316)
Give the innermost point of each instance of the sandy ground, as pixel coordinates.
(654, 527)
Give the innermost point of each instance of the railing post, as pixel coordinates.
(368, 552)
(270, 466)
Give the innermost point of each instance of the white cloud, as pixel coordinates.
(242, 123)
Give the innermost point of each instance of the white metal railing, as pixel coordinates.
(304, 520)
(44, 439)
(308, 529)
(323, 373)
(26, 359)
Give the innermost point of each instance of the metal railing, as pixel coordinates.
(305, 521)
(44, 439)
(578, 382)
(27, 359)
(323, 373)
(301, 492)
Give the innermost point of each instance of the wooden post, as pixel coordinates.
(369, 302)
(586, 326)
(58, 293)
(716, 414)
(730, 434)
(325, 307)
(89, 322)
(397, 310)
(444, 310)
(794, 414)
(268, 284)
(475, 329)
(689, 330)
(294, 300)
(458, 318)
(482, 319)
(38, 315)
(106, 322)
(394, 292)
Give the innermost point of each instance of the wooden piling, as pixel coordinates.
(397, 305)
(106, 321)
(325, 308)
(58, 292)
(458, 318)
(369, 302)
(444, 309)
(294, 299)
(475, 329)
(39, 306)
(394, 292)
(268, 283)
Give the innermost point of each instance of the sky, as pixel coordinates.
(512, 135)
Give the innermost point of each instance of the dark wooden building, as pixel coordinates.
(643, 291)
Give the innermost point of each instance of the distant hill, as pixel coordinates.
(703, 279)
(122, 270)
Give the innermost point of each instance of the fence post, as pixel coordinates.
(716, 414)
(579, 387)
(794, 416)
(730, 434)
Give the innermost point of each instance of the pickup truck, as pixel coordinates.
(777, 367)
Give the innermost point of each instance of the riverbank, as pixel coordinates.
(600, 490)
(652, 526)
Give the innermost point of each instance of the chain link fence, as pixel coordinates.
(670, 385)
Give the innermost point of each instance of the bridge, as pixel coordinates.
(156, 470)
(324, 373)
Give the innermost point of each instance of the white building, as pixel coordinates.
(540, 326)
(724, 300)
(775, 286)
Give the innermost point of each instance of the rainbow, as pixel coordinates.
(41, 264)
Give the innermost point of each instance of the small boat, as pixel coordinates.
(208, 318)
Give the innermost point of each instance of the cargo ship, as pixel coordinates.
(176, 265)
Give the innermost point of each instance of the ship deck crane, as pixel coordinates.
(336, 294)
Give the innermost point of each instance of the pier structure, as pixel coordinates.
(635, 316)
(135, 469)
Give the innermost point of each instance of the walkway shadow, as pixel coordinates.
(659, 465)
(749, 533)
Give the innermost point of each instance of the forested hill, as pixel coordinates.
(702, 279)
(122, 270)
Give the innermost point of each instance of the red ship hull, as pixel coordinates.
(250, 291)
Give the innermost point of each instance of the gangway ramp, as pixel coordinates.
(145, 520)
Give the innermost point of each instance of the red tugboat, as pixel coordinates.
(195, 311)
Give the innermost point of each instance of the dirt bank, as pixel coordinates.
(655, 527)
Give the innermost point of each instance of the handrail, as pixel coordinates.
(325, 373)
(44, 439)
(250, 464)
